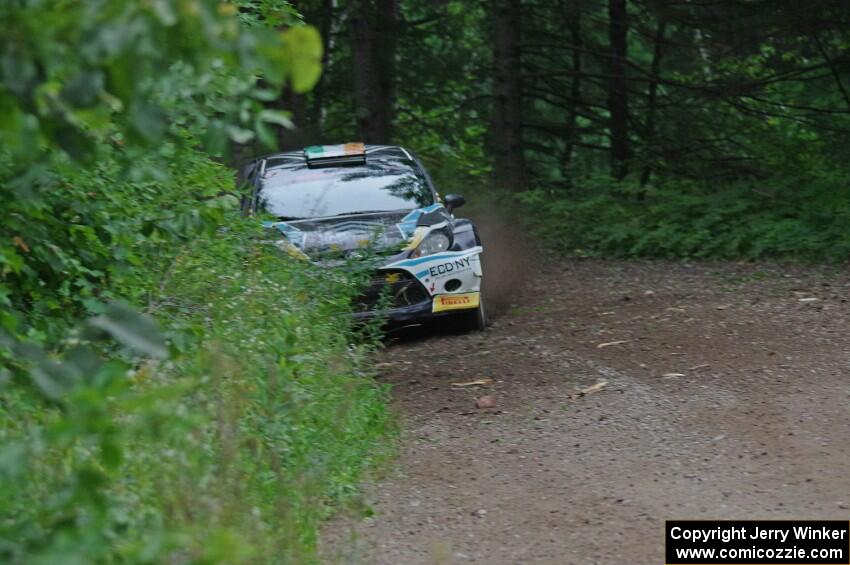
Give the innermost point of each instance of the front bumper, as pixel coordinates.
(422, 312)
(422, 289)
(403, 315)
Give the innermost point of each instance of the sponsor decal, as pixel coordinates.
(429, 258)
(463, 301)
(408, 226)
(449, 267)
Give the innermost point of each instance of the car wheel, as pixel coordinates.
(475, 320)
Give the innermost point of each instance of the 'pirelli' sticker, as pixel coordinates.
(463, 301)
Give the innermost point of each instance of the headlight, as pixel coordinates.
(434, 242)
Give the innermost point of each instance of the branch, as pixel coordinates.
(833, 70)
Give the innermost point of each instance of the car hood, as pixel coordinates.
(353, 236)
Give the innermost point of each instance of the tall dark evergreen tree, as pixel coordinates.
(618, 93)
(652, 102)
(374, 26)
(506, 135)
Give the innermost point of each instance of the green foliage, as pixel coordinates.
(681, 220)
(228, 452)
(267, 13)
(62, 442)
(95, 234)
(228, 433)
(75, 73)
(104, 106)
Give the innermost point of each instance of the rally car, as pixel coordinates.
(338, 204)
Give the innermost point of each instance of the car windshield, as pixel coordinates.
(377, 186)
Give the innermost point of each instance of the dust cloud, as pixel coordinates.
(508, 258)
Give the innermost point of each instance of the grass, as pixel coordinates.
(297, 415)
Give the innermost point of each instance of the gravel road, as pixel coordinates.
(726, 396)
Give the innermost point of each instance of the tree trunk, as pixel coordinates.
(388, 15)
(508, 166)
(618, 103)
(652, 102)
(328, 22)
(575, 87)
(374, 26)
(300, 135)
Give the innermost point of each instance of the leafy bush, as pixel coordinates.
(801, 218)
(99, 233)
(227, 435)
(228, 452)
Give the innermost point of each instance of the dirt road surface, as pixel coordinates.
(726, 396)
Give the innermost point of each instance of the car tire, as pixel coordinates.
(475, 320)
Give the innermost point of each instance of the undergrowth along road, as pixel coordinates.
(725, 396)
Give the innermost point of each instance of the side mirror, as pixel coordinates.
(454, 201)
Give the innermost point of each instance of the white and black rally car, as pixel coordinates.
(336, 203)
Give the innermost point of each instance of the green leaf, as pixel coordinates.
(14, 457)
(84, 359)
(303, 46)
(76, 143)
(164, 11)
(52, 379)
(265, 134)
(147, 121)
(83, 89)
(132, 329)
(240, 135)
(278, 117)
(110, 453)
(215, 138)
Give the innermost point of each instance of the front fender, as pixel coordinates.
(434, 271)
